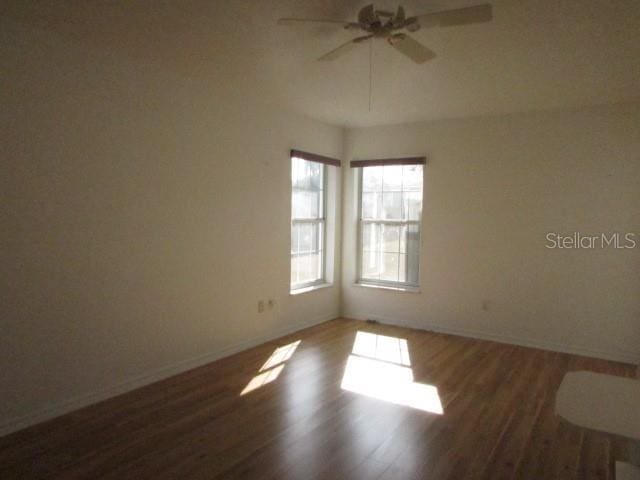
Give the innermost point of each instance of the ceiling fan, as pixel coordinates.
(388, 25)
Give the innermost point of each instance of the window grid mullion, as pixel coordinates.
(320, 232)
(306, 220)
(319, 242)
(391, 222)
(403, 224)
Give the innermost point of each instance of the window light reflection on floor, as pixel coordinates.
(379, 367)
(381, 347)
(262, 379)
(272, 367)
(280, 355)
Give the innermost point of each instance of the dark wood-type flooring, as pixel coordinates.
(498, 419)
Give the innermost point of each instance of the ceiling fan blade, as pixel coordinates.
(411, 48)
(367, 15)
(460, 16)
(342, 49)
(398, 21)
(298, 21)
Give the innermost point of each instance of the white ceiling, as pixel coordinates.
(535, 55)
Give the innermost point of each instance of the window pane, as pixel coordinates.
(320, 236)
(392, 178)
(315, 173)
(299, 173)
(315, 271)
(295, 232)
(413, 254)
(403, 239)
(402, 268)
(372, 179)
(391, 239)
(308, 237)
(295, 172)
(392, 206)
(371, 265)
(306, 204)
(390, 251)
(295, 277)
(371, 205)
(305, 268)
(305, 174)
(413, 240)
(412, 205)
(412, 178)
(371, 237)
(413, 267)
(389, 270)
(295, 270)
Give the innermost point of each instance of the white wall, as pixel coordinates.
(493, 189)
(143, 215)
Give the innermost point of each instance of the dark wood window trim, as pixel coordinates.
(313, 157)
(388, 161)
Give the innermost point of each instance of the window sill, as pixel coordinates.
(400, 288)
(311, 288)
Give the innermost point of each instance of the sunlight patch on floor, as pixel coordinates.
(271, 368)
(381, 347)
(378, 367)
(280, 355)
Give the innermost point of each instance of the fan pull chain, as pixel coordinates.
(370, 70)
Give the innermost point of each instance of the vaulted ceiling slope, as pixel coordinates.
(535, 55)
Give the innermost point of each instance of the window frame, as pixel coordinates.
(321, 240)
(360, 280)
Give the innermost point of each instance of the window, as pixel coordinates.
(389, 234)
(308, 226)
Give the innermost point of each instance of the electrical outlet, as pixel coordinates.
(260, 306)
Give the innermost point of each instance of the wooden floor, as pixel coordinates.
(498, 419)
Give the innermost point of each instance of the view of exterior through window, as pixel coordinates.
(308, 207)
(390, 216)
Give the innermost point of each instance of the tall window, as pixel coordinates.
(390, 216)
(308, 216)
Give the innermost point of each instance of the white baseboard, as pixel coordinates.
(616, 356)
(75, 403)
